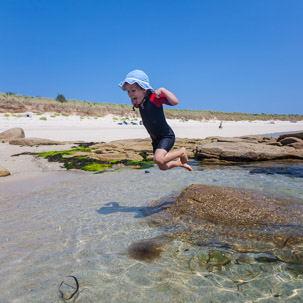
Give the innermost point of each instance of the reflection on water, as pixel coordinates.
(87, 227)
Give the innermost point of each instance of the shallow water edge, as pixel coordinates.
(85, 226)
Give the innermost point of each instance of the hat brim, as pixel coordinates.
(131, 81)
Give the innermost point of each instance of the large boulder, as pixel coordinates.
(234, 207)
(143, 146)
(4, 172)
(250, 148)
(246, 151)
(242, 219)
(13, 133)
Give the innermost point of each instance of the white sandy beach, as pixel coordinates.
(29, 173)
(76, 128)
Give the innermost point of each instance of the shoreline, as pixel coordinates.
(105, 129)
(29, 173)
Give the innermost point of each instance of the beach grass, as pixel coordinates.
(11, 103)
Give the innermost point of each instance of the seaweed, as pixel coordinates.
(64, 152)
(96, 167)
(73, 293)
(88, 163)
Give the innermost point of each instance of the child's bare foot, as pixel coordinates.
(180, 164)
(187, 167)
(184, 158)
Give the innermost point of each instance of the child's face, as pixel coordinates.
(135, 92)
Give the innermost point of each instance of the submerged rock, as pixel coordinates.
(148, 249)
(241, 219)
(295, 172)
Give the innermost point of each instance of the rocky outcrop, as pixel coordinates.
(120, 153)
(4, 172)
(36, 142)
(241, 219)
(132, 153)
(209, 150)
(13, 133)
(106, 157)
(142, 146)
(250, 148)
(298, 135)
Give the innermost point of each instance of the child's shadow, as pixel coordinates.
(114, 207)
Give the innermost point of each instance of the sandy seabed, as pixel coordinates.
(73, 222)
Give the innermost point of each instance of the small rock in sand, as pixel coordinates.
(4, 172)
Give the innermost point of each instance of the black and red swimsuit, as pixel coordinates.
(153, 119)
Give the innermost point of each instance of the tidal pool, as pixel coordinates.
(84, 227)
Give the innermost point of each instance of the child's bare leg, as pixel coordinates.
(183, 157)
(165, 159)
(181, 153)
(164, 156)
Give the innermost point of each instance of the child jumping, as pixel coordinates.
(150, 106)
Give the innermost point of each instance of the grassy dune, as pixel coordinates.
(12, 103)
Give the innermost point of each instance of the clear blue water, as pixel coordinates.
(84, 227)
(277, 134)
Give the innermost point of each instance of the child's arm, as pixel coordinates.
(171, 98)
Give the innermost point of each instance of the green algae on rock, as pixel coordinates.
(99, 157)
(95, 167)
(210, 259)
(49, 154)
(93, 160)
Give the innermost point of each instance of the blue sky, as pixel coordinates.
(222, 55)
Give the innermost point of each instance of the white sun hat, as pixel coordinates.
(136, 76)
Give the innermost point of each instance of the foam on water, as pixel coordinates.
(84, 227)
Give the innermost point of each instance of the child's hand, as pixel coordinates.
(171, 98)
(158, 92)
